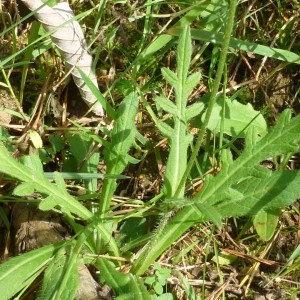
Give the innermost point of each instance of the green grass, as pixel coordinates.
(175, 172)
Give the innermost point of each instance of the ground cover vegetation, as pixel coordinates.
(187, 187)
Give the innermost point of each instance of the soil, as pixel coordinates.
(6, 103)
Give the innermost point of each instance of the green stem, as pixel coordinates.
(212, 98)
(165, 236)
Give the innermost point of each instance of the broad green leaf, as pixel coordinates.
(167, 105)
(242, 187)
(265, 223)
(80, 145)
(224, 258)
(246, 177)
(278, 190)
(237, 118)
(150, 280)
(16, 273)
(24, 189)
(57, 143)
(158, 288)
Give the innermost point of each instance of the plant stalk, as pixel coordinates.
(213, 94)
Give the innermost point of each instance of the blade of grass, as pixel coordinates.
(214, 37)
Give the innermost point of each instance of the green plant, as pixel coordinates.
(242, 187)
(239, 186)
(159, 280)
(180, 126)
(54, 195)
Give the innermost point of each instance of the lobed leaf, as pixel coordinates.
(48, 203)
(191, 82)
(165, 129)
(59, 180)
(24, 189)
(178, 136)
(169, 76)
(32, 174)
(184, 52)
(167, 105)
(279, 189)
(194, 110)
(241, 187)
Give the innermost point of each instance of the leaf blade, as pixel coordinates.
(20, 269)
(116, 156)
(35, 176)
(283, 138)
